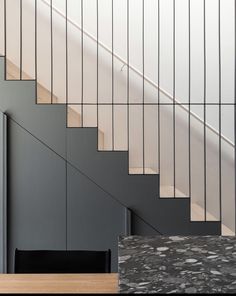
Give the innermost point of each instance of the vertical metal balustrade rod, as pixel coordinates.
(66, 28)
(51, 31)
(143, 51)
(220, 164)
(128, 90)
(174, 109)
(189, 99)
(204, 110)
(5, 38)
(82, 63)
(235, 115)
(35, 50)
(97, 10)
(21, 33)
(66, 162)
(112, 75)
(158, 93)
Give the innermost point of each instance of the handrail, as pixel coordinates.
(139, 73)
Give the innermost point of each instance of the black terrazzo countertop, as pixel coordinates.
(176, 264)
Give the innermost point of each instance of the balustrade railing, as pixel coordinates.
(157, 77)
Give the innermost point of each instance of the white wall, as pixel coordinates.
(166, 49)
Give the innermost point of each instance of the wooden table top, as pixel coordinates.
(59, 283)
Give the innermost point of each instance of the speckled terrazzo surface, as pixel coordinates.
(162, 264)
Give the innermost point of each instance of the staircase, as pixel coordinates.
(145, 146)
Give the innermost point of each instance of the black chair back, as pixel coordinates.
(62, 261)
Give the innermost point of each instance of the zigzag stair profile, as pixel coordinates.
(110, 168)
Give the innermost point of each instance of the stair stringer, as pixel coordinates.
(107, 169)
(137, 192)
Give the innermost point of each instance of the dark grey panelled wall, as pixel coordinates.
(36, 195)
(38, 202)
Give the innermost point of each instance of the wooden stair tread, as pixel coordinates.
(139, 171)
(168, 192)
